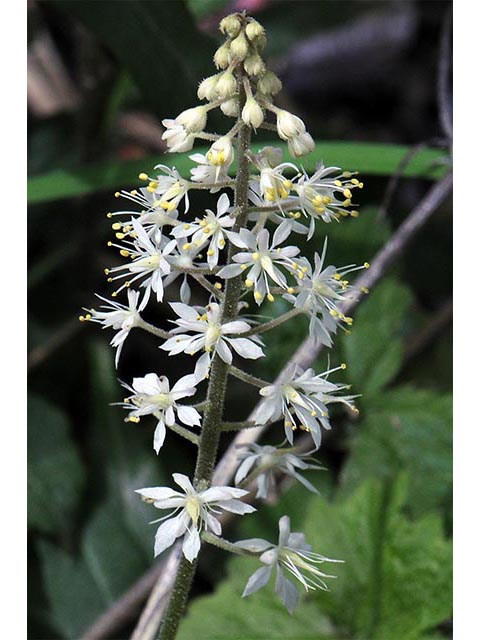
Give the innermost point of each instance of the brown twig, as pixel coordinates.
(308, 351)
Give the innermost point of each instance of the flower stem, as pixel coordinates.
(266, 326)
(225, 544)
(247, 377)
(212, 421)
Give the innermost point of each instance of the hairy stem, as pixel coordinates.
(247, 377)
(266, 326)
(212, 421)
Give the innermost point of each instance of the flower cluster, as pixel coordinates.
(240, 254)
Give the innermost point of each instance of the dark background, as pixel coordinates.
(102, 75)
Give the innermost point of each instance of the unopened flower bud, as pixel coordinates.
(301, 145)
(254, 30)
(252, 113)
(207, 88)
(289, 125)
(222, 56)
(221, 152)
(254, 65)
(231, 25)
(239, 47)
(230, 107)
(193, 120)
(269, 84)
(226, 85)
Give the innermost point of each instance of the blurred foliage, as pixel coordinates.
(385, 498)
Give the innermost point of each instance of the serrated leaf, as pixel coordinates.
(56, 476)
(374, 350)
(406, 430)
(396, 580)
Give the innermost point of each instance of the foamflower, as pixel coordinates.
(291, 554)
(302, 399)
(193, 511)
(266, 462)
(206, 333)
(152, 396)
(120, 317)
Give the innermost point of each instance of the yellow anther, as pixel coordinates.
(287, 184)
(304, 269)
(365, 290)
(210, 252)
(343, 366)
(347, 202)
(142, 176)
(360, 185)
(344, 282)
(109, 279)
(257, 295)
(347, 193)
(153, 184)
(313, 413)
(127, 283)
(116, 226)
(203, 223)
(290, 290)
(288, 423)
(207, 229)
(336, 276)
(270, 298)
(338, 183)
(218, 285)
(348, 320)
(348, 332)
(187, 226)
(114, 294)
(221, 243)
(297, 215)
(366, 265)
(354, 181)
(133, 192)
(354, 214)
(291, 214)
(186, 246)
(255, 255)
(334, 313)
(109, 243)
(294, 265)
(120, 236)
(300, 275)
(109, 215)
(124, 253)
(82, 318)
(151, 189)
(164, 204)
(283, 192)
(249, 283)
(243, 267)
(347, 174)
(106, 271)
(171, 206)
(117, 194)
(135, 419)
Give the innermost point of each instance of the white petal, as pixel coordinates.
(188, 415)
(184, 482)
(257, 580)
(169, 531)
(246, 348)
(159, 436)
(191, 544)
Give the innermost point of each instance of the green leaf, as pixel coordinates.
(56, 476)
(367, 158)
(374, 350)
(150, 39)
(80, 588)
(406, 430)
(225, 615)
(397, 578)
(75, 599)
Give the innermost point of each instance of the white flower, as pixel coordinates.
(193, 120)
(149, 262)
(289, 125)
(205, 172)
(169, 189)
(181, 258)
(152, 396)
(211, 336)
(177, 137)
(266, 462)
(209, 230)
(302, 399)
(301, 145)
(119, 317)
(226, 85)
(318, 195)
(155, 214)
(194, 512)
(221, 153)
(320, 291)
(261, 259)
(207, 88)
(292, 553)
